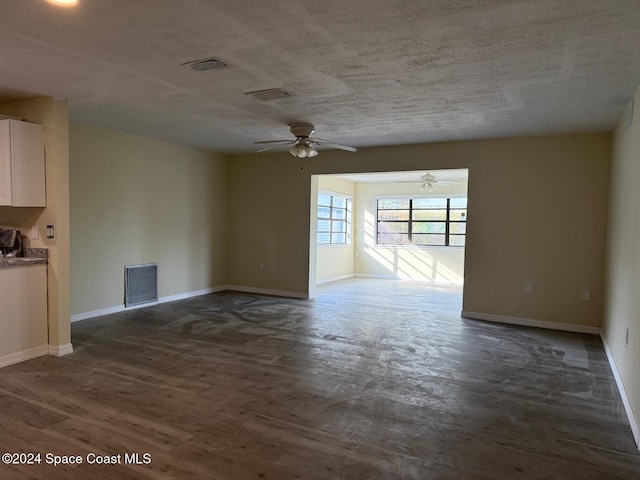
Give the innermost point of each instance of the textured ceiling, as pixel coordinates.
(365, 72)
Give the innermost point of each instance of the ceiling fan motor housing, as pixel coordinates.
(302, 129)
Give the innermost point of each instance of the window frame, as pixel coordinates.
(447, 221)
(348, 218)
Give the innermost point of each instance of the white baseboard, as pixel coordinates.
(121, 308)
(623, 393)
(527, 322)
(60, 350)
(334, 279)
(376, 275)
(24, 355)
(267, 291)
(197, 293)
(397, 277)
(96, 313)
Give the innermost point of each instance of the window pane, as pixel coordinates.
(428, 239)
(425, 202)
(456, 240)
(393, 227)
(338, 226)
(324, 226)
(339, 202)
(339, 213)
(323, 238)
(458, 215)
(429, 214)
(393, 239)
(339, 238)
(324, 212)
(429, 227)
(458, 228)
(393, 203)
(324, 199)
(393, 214)
(458, 203)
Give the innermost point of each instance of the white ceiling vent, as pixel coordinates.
(205, 65)
(270, 94)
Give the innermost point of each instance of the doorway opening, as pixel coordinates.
(391, 225)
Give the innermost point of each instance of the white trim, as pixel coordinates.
(24, 355)
(527, 322)
(623, 393)
(197, 293)
(419, 279)
(60, 350)
(96, 313)
(334, 279)
(375, 275)
(267, 291)
(121, 308)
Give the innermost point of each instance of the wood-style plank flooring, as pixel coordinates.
(373, 379)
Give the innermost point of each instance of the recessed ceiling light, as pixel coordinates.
(64, 3)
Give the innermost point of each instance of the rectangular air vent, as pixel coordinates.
(269, 94)
(140, 284)
(205, 65)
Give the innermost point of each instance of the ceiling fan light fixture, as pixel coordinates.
(311, 151)
(302, 150)
(298, 151)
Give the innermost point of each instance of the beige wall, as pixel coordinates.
(269, 208)
(622, 310)
(52, 114)
(334, 261)
(437, 264)
(138, 200)
(537, 214)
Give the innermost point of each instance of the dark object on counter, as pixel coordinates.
(10, 242)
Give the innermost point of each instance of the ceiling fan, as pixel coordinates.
(304, 144)
(427, 182)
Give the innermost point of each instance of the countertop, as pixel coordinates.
(32, 256)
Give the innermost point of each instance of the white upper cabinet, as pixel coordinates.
(22, 168)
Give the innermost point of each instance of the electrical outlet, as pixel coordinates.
(261, 265)
(585, 295)
(528, 288)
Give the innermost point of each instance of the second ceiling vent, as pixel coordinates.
(269, 94)
(206, 64)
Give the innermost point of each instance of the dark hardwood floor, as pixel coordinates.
(373, 379)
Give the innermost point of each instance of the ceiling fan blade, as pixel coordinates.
(272, 147)
(277, 141)
(446, 182)
(327, 143)
(341, 147)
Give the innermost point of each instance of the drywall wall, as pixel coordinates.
(335, 261)
(52, 114)
(537, 214)
(137, 200)
(433, 264)
(622, 310)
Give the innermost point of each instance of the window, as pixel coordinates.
(334, 219)
(427, 221)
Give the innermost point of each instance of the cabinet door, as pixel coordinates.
(23, 322)
(6, 193)
(27, 149)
